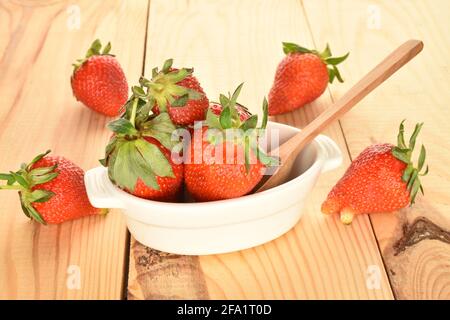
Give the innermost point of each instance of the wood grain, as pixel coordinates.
(415, 241)
(229, 42)
(38, 112)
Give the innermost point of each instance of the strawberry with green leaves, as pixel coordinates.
(51, 190)
(301, 77)
(223, 159)
(178, 92)
(382, 178)
(138, 155)
(99, 82)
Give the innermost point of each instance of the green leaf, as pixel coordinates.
(40, 196)
(162, 123)
(107, 48)
(167, 65)
(225, 118)
(331, 75)
(414, 189)
(194, 95)
(176, 75)
(250, 123)
(43, 178)
(94, 49)
(154, 158)
(42, 171)
(143, 170)
(34, 214)
(180, 101)
(122, 126)
(401, 154)
(236, 93)
(154, 72)
(21, 180)
(224, 101)
(337, 74)
(144, 82)
(37, 158)
(401, 136)
(326, 53)
(247, 154)
(422, 157)
(336, 60)
(212, 120)
(426, 171)
(412, 140)
(5, 176)
(164, 138)
(265, 159)
(407, 173)
(123, 172)
(110, 146)
(265, 113)
(24, 208)
(138, 91)
(289, 47)
(412, 179)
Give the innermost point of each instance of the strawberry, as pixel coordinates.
(138, 155)
(178, 92)
(218, 165)
(301, 77)
(381, 179)
(51, 190)
(99, 82)
(243, 112)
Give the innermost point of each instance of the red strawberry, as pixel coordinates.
(243, 112)
(169, 187)
(98, 81)
(218, 167)
(301, 77)
(381, 179)
(177, 92)
(138, 155)
(51, 190)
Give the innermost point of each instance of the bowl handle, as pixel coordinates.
(332, 153)
(98, 189)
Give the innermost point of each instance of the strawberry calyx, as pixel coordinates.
(404, 153)
(25, 179)
(163, 88)
(128, 155)
(245, 132)
(94, 50)
(326, 57)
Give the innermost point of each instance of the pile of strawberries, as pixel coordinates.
(169, 140)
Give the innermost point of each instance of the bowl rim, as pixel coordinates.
(318, 162)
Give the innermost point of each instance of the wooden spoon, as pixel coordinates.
(289, 150)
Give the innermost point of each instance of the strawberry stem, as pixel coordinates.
(133, 112)
(12, 187)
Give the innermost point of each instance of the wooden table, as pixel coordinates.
(405, 255)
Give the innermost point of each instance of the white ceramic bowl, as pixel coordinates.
(220, 226)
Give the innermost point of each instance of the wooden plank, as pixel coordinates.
(415, 241)
(229, 42)
(38, 43)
